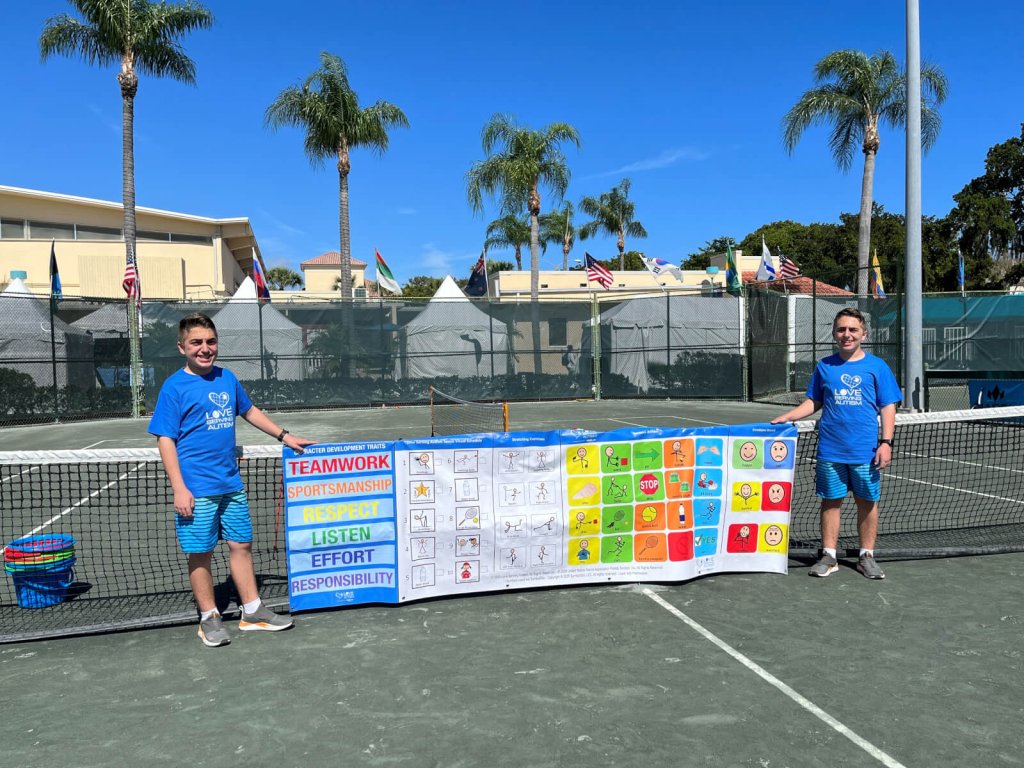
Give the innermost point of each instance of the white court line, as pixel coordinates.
(953, 488)
(76, 505)
(769, 678)
(681, 418)
(961, 461)
(700, 421)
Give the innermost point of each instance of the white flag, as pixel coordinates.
(767, 269)
(662, 267)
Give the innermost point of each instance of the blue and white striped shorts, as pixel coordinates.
(834, 480)
(215, 517)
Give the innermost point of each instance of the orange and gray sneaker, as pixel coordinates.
(263, 619)
(212, 632)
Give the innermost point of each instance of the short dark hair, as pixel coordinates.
(856, 314)
(195, 320)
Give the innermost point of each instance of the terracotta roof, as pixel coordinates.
(330, 259)
(799, 284)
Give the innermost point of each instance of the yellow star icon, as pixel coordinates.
(421, 490)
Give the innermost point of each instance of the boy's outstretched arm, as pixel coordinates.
(183, 501)
(802, 411)
(264, 423)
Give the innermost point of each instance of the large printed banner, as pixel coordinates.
(390, 522)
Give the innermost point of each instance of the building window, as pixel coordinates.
(85, 232)
(556, 332)
(1018, 340)
(146, 235)
(46, 230)
(12, 230)
(202, 239)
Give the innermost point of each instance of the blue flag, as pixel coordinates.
(55, 292)
(960, 271)
(477, 285)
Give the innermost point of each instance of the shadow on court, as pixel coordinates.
(921, 669)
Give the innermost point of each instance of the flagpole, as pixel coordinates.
(53, 357)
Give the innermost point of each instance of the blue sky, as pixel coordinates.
(685, 98)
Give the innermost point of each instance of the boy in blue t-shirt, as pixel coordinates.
(194, 424)
(855, 390)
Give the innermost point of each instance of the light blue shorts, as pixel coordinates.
(834, 480)
(214, 518)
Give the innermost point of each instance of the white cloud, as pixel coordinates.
(278, 224)
(665, 159)
(437, 262)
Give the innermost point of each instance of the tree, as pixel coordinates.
(327, 109)
(856, 94)
(702, 258)
(421, 287)
(141, 36)
(988, 219)
(509, 232)
(557, 227)
(520, 160)
(281, 278)
(612, 214)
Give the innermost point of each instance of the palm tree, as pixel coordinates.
(557, 227)
(519, 161)
(141, 36)
(857, 92)
(509, 232)
(280, 278)
(612, 214)
(327, 108)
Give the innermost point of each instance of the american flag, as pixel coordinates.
(131, 283)
(787, 268)
(598, 272)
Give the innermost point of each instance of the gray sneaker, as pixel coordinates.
(212, 632)
(867, 565)
(263, 619)
(826, 566)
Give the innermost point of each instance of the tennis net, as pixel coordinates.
(454, 416)
(956, 486)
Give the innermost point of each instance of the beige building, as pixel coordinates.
(559, 285)
(319, 276)
(180, 256)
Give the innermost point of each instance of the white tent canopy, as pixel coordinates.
(241, 325)
(25, 342)
(452, 337)
(111, 320)
(656, 329)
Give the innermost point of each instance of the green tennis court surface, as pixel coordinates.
(921, 669)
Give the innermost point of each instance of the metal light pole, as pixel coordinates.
(913, 380)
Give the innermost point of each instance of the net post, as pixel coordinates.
(504, 415)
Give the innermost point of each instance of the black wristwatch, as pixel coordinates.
(284, 432)
(886, 441)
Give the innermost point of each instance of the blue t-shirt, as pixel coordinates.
(198, 413)
(851, 393)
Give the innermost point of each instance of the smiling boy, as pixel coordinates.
(194, 423)
(856, 391)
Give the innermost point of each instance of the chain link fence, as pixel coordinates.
(71, 361)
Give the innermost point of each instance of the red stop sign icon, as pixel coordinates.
(649, 484)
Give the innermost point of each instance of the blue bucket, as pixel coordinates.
(41, 589)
